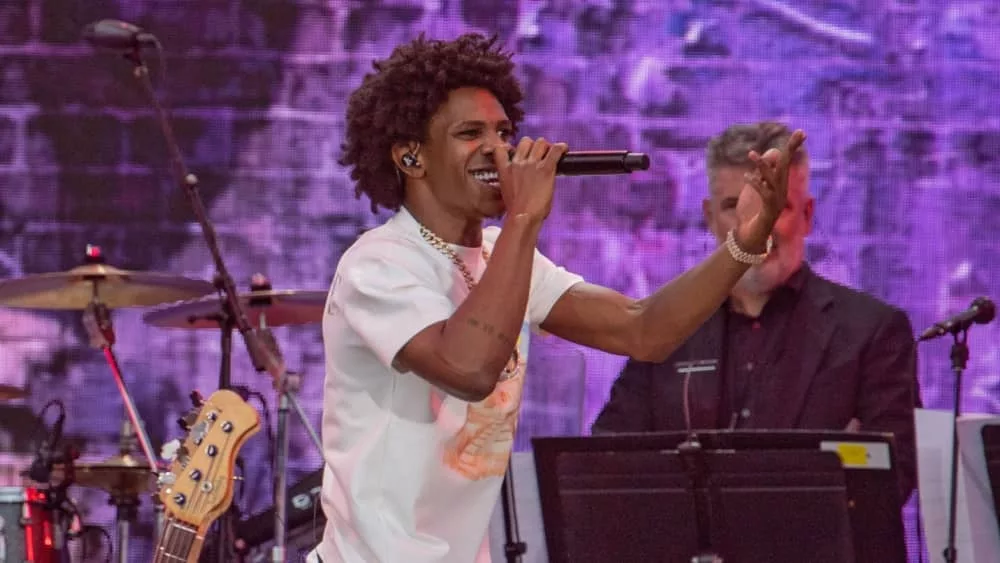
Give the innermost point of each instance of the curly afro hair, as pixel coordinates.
(395, 104)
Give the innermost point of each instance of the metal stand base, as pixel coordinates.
(127, 510)
(286, 403)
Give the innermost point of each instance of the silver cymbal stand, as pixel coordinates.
(290, 384)
(97, 322)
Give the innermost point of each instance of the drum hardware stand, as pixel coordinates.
(273, 365)
(159, 518)
(127, 502)
(126, 510)
(288, 384)
(97, 321)
(98, 314)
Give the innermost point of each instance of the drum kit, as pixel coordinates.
(96, 289)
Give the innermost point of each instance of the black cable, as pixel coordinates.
(105, 534)
(266, 413)
(50, 404)
(41, 468)
(247, 393)
(243, 473)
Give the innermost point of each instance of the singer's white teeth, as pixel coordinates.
(489, 178)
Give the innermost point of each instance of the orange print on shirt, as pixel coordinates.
(482, 447)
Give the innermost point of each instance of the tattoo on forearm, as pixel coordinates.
(492, 331)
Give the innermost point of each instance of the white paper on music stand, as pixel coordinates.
(981, 542)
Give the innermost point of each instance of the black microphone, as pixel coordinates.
(117, 35)
(981, 311)
(588, 163)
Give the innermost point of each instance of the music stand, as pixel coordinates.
(991, 449)
(757, 496)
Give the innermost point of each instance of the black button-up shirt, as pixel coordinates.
(752, 347)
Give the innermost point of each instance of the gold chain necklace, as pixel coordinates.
(437, 242)
(443, 247)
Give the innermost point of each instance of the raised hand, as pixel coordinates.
(527, 179)
(769, 187)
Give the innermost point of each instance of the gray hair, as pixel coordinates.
(730, 148)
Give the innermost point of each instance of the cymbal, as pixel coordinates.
(119, 474)
(276, 307)
(9, 392)
(115, 288)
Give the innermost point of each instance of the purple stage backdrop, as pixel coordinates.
(894, 94)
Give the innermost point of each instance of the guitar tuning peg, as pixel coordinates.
(169, 450)
(166, 478)
(196, 399)
(188, 420)
(183, 455)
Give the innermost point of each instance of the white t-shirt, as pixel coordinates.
(412, 473)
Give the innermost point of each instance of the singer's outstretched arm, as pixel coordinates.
(647, 329)
(650, 329)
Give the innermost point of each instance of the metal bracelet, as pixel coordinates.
(743, 256)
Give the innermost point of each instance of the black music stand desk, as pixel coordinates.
(991, 449)
(744, 496)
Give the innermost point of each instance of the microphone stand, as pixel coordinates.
(226, 324)
(959, 358)
(274, 366)
(514, 548)
(692, 455)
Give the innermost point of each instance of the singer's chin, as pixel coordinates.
(494, 208)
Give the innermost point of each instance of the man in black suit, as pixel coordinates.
(788, 349)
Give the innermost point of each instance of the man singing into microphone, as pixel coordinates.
(424, 321)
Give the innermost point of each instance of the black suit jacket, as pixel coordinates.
(846, 356)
